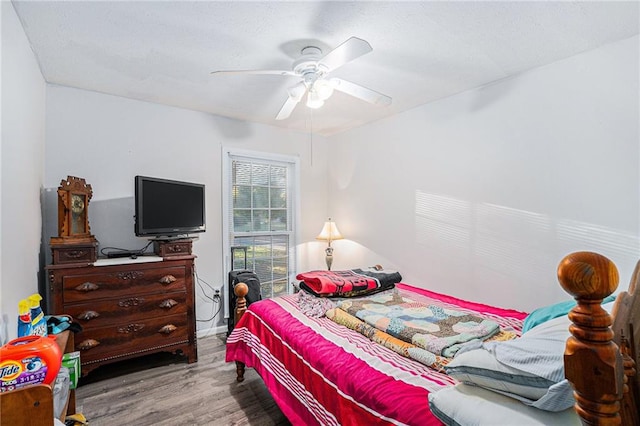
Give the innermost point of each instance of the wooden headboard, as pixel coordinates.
(602, 354)
(626, 326)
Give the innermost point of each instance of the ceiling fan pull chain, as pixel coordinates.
(311, 135)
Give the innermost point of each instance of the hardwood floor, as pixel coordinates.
(162, 389)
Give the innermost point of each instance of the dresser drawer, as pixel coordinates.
(90, 287)
(127, 309)
(135, 337)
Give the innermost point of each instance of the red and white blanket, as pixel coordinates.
(330, 283)
(322, 373)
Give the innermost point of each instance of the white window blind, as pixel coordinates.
(261, 208)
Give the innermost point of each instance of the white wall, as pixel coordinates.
(21, 165)
(481, 194)
(108, 140)
(478, 195)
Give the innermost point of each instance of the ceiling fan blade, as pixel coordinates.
(287, 108)
(255, 72)
(360, 92)
(297, 92)
(348, 51)
(295, 95)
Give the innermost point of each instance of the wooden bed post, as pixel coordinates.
(593, 363)
(241, 290)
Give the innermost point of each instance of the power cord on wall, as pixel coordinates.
(215, 298)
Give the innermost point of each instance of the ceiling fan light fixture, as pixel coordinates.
(324, 89)
(313, 100)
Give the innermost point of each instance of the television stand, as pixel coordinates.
(173, 248)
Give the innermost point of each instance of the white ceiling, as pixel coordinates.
(164, 51)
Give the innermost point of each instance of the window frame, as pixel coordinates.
(293, 164)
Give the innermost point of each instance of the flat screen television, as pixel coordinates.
(168, 208)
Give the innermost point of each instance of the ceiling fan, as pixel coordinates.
(312, 68)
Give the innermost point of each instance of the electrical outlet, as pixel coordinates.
(216, 292)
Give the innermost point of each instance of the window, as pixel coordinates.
(260, 205)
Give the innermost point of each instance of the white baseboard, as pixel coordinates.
(211, 331)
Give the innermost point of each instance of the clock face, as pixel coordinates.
(77, 203)
(78, 214)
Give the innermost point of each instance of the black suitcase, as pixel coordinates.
(241, 276)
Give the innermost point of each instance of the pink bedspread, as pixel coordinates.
(321, 373)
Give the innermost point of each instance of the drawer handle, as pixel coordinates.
(168, 279)
(133, 301)
(88, 344)
(75, 254)
(87, 287)
(168, 304)
(168, 329)
(176, 248)
(88, 315)
(131, 328)
(130, 275)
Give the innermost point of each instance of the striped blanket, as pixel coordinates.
(321, 373)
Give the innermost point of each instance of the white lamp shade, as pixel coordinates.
(329, 232)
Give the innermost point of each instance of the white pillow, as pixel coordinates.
(529, 369)
(481, 368)
(470, 405)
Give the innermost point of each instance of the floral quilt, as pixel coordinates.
(437, 329)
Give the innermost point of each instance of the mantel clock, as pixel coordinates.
(74, 243)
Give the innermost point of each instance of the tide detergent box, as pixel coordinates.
(27, 361)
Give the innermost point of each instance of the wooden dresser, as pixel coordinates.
(127, 307)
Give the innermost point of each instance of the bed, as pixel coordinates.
(321, 372)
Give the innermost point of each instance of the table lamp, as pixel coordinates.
(329, 233)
